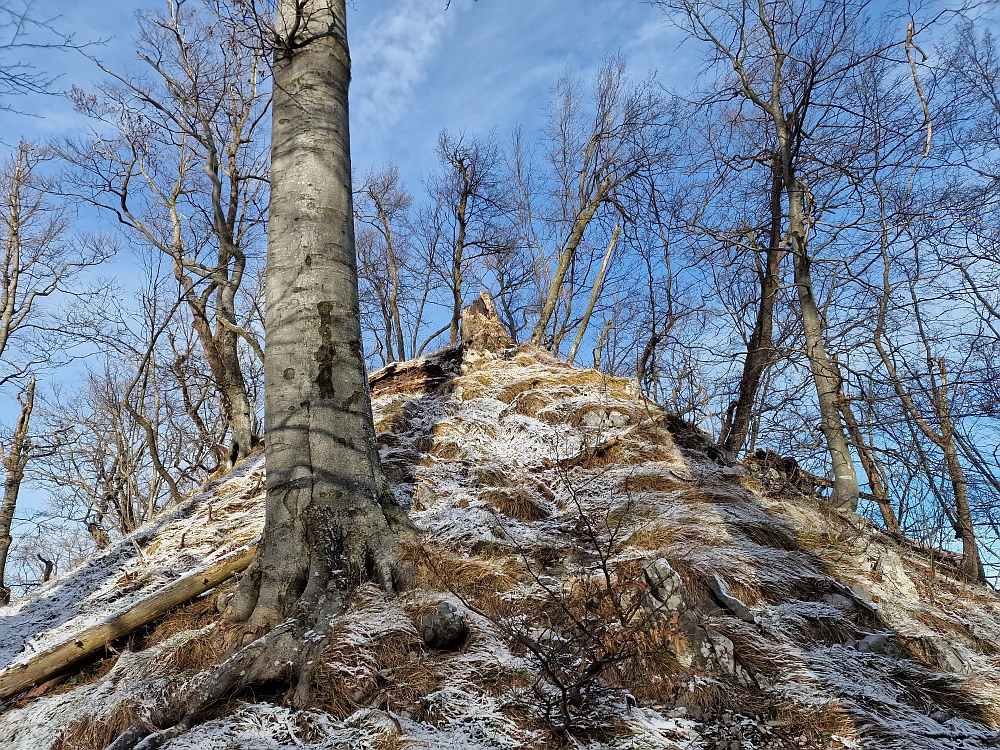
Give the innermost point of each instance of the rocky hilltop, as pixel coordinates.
(591, 572)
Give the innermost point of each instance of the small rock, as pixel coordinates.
(839, 601)
(444, 629)
(879, 643)
(727, 600)
(665, 586)
(939, 716)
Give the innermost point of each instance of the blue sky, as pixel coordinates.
(417, 66)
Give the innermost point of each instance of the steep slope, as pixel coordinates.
(620, 583)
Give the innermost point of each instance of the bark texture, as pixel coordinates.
(330, 512)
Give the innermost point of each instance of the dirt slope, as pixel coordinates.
(622, 587)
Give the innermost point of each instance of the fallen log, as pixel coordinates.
(78, 647)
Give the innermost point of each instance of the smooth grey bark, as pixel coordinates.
(330, 514)
(330, 517)
(15, 459)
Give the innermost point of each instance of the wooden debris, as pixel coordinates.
(61, 656)
(416, 376)
(481, 327)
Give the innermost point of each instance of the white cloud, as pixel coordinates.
(390, 58)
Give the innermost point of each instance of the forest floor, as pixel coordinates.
(623, 585)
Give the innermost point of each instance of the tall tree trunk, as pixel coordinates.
(14, 460)
(825, 377)
(871, 466)
(595, 295)
(565, 259)
(456, 262)
(759, 349)
(845, 479)
(964, 529)
(330, 514)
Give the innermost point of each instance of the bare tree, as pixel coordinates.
(469, 200)
(382, 211)
(39, 261)
(799, 68)
(182, 168)
(593, 155)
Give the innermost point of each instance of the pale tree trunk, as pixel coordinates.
(825, 377)
(393, 302)
(944, 437)
(964, 529)
(871, 466)
(330, 512)
(331, 518)
(456, 261)
(566, 256)
(15, 459)
(12, 249)
(595, 294)
(760, 352)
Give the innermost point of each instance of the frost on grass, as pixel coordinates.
(530, 481)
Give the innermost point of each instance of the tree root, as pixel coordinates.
(288, 654)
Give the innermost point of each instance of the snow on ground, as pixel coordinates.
(512, 470)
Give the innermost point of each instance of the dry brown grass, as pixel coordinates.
(447, 449)
(708, 495)
(921, 688)
(653, 536)
(820, 541)
(90, 733)
(953, 628)
(748, 592)
(656, 482)
(442, 569)
(516, 503)
(818, 725)
(751, 484)
(396, 675)
(490, 476)
(774, 535)
(511, 391)
(536, 404)
(751, 648)
(194, 615)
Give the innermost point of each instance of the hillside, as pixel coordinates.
(619, 582)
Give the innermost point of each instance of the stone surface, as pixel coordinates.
(735, 607)
(444, 629)
(666, 589)
(876, 643)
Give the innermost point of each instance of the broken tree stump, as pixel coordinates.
(481, 327)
